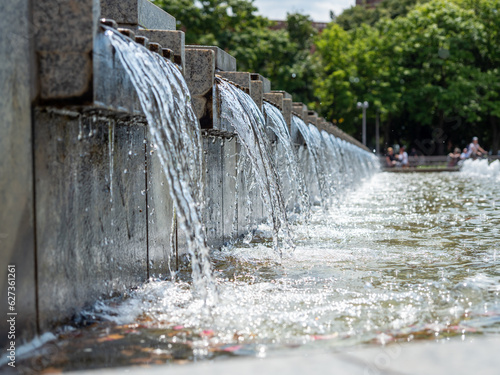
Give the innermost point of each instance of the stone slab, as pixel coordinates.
(287, 111)
(241, 79)
(137, 14)
(266, 83)
(300, 109)
(223, 60)
(64, 36)
(17, 241)
(285, 94)
(113, 88)
(200, 78)
(312, 118)
(171, 39)
(90, 210)
(275, 98)
(256, 92)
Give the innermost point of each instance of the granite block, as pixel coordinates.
(171, 39)
(275, 98)
(312, 118)
(241, 79)
(223, 60)
(64, 37)
(200, 78)
(137, 14)
(266, 83)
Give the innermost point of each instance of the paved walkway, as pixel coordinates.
(474, 355)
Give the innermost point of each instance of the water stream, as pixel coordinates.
(175, 130)
(315, 173)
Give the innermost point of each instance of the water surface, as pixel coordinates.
(403, 258)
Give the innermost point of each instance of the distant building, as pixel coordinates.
(368, 3)
(319, 26)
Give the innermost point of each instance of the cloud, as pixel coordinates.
(319, 10)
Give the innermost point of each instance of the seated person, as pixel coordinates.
(454, 157)
(403, 157)
(476, 151)
(465, 154)
(390, 159)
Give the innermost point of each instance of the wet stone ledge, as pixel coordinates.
(91, 210)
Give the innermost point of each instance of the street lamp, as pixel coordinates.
(364, 105)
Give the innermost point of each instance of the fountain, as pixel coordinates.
(140, 157)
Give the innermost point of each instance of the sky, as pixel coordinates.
(319, 10)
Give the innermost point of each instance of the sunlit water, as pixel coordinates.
(405, 257)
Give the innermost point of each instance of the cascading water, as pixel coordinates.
(291, 174)
(166, 103)
(326, 161)
(242, 113)
(334, 164)
(315, 170)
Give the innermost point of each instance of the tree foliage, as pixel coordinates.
(432, 74)
(357, 15)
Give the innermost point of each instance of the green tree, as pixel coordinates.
(431, 74)
(357, 15)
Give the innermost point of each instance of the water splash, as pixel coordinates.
(243, 114)
(174, 128)
(481, 168)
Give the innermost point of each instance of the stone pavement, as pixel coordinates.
(473, 355)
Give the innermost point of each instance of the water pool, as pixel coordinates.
(405, 257)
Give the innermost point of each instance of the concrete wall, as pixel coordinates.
(17, 237)
(91, 209)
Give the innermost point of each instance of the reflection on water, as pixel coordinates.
(406, 257)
